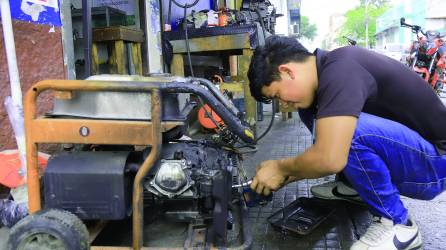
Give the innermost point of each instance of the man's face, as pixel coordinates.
(292, 90)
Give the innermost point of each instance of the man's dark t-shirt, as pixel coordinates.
(354, 80)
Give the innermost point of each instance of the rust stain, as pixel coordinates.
(94, 131)
(39, 56)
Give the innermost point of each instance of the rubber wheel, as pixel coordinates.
(49, 229)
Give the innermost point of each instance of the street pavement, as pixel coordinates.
(289, 138)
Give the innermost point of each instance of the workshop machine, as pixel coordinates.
(122, 151)
(260, 11)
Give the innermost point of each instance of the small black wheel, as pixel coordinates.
(49, 229)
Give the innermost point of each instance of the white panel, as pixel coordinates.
(436, 8)
(282, 22)
(153, 33)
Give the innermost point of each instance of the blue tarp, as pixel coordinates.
(48, 16)
(11, 212)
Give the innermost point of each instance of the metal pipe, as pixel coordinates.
(13, 70)
(33, 181)
(14, 107)
(34, 195)
(88, 36)
(138, 201)
(168, 85)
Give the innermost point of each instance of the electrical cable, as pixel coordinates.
(273, 104)
(270, 125)
(261, 22)
(187, 42)
(185, 7)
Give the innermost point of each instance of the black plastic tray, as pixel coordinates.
(302, 216)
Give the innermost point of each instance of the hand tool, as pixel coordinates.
(252, 198)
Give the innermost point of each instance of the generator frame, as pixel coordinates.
(89, 131)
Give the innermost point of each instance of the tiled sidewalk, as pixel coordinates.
(289, 138)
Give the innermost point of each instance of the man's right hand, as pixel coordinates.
(269, 177)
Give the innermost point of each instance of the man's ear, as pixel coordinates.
(285, 70)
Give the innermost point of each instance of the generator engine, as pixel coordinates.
(191, 180)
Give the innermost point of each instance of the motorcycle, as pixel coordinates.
(351, 41)
(427, 55)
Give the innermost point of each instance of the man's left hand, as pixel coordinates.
(269, 177)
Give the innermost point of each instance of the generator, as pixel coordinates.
(123, 148)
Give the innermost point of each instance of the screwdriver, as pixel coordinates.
(244, 184)
(252, 198)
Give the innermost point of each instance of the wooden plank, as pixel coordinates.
(233, 65)
(118, 33)
(213, 43)
(112, 58)
(177, 67)
(236, 87)
(113, 132)
(118, 58)
(137, 58)
(250, 102)
(95, 59)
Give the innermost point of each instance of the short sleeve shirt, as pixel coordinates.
(352, 80)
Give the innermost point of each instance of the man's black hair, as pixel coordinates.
(264, 66)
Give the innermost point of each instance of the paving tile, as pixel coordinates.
(289, 138)
(333, 243)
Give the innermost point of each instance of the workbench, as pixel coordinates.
(239, 40)
(116, 39)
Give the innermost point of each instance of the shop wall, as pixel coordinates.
(38, 42)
